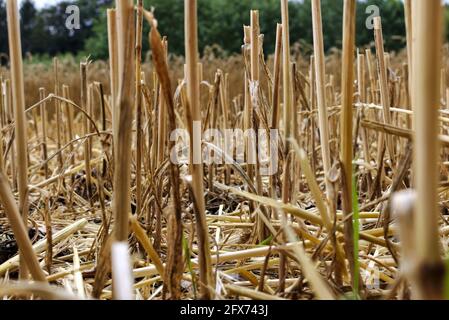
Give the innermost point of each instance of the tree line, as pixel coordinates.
(221, 22)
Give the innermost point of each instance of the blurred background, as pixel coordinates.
(44, 33)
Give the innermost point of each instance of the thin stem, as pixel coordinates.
(383, 79)
(193, 96)
(426, 98)
(290, 127)
(18, 94)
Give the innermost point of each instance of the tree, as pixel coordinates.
(3, 27)
(220, 22)
(44, 31)
(63, 40)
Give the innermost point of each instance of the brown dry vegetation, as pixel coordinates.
(225, 231)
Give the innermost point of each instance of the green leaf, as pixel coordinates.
(267, 241)
(186, 249)
(356, 233)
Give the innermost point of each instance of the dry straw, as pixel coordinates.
(110, 200)
(383, 79)
(113, 64)
(321, 100)
(290, 127)
(15, 48)
(125, 106)
(346, 153)
(193, 96)
(174, 269)
(427, 30)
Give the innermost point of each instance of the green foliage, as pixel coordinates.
(220, 22)
(267, 241)
(44, 31)
(188, 256)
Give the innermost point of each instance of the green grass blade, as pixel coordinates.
(187, 254)
(267, 241)
(356, 234)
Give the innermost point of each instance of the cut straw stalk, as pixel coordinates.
(10, 119)
(347, 91)
(312, 94)
(383, 79)
(277, 78)
(70, 133)
(88, 122)
(193, 95)
(361, 85)
(346, 153)
(255, 48)
(427, 29)
(122, 153)
(245, 50)
(362, 99)
(58, 112)
(113, 66)
(254, 92)
(162, 117)
(409, 31)
(27, 256)
(174, 270)
(372, 78)
(255, 77)
(402, 205)
(290, 126)
(276, 101)
(139, 115)
(329, 212)
(248, 109)
(15, 49)
(84, 107)
(43, 113)
(125, 105)
(122, 281)
(321, 99)
(224, 100)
